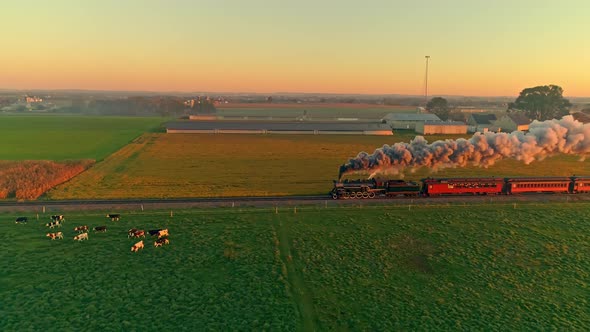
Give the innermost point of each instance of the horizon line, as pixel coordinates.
(261, 93)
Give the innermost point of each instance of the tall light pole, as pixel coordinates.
(426, 81)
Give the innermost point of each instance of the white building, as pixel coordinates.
(408, 120)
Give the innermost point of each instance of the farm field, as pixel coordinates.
(194, 165)
(68, 137)
(318, 110)
(445, 267)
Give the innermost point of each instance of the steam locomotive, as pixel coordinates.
(377, 188)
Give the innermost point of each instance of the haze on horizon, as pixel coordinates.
(374, 47)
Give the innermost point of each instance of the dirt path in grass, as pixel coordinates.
(105, 176)
(301, 294)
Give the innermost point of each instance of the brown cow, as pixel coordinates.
(81, 229)
(137, 246)
(161, 242)
(139, 233)
(53, 236)
(80, 237)
(163, 233)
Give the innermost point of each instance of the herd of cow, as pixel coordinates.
(58, 220)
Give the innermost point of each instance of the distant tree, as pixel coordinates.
(440, 107)
(204, 106)
(543, 102)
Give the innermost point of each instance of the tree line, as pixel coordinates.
(140, 106)
(541, 103)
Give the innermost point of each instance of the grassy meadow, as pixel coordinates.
(64, 137)
(488, 267)
(201, 165)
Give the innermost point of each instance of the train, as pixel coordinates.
(429, 187)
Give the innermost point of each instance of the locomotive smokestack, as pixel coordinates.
(341, 172)
(544, 139)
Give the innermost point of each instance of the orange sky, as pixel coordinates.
(329, 46)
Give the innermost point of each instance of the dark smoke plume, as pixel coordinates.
(544, 139)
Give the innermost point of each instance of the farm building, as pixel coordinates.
(408, 120)
(512, 122)
(441, 127)
(268, 127)
(481, 122)
(582, 117)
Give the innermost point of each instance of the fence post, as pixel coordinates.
(409, 207)
(233, 204)
(295, 210)
(37, 216)
(141, 207)
(515, 206)
(276, 210)
(171, 214)
(43, 208)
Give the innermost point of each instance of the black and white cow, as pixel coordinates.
(114, 216)
(21, 220)
(59, 217)
(53, 224)
(100, 228)
(155, 231)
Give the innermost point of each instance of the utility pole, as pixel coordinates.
(426, 82)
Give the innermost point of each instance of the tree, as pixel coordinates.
(542, 102)
(439, 106)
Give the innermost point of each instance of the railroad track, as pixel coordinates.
(272, 201)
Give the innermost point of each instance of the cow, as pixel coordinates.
(80, 237)
(81, 229)
(137, 246)
(53, 224)
(163, 233)
(58, 218)
(21, 220)
(53, 236)
(114, 217)
(160, 242)
(131, 232)
(100, 229)
(155, 231)
(139, 233)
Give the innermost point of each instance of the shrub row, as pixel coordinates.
(30, 179)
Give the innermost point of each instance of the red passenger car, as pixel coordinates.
(462, 186)
(580, 184)
(538, 185)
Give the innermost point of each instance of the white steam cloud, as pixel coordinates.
(544, 139)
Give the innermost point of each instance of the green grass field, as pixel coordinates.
(193, 165)
(49, 137)
(314, 111)
(488, 267)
